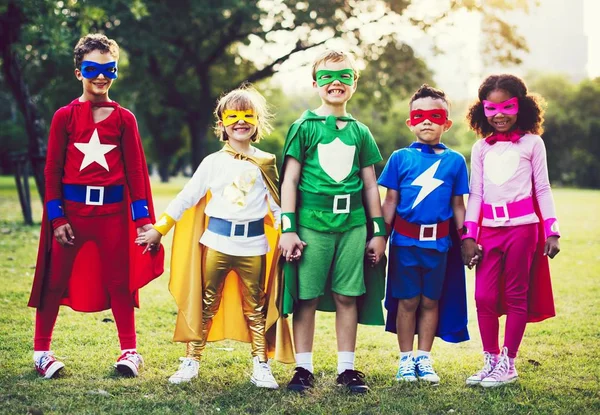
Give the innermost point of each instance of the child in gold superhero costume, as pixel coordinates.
(227, 217)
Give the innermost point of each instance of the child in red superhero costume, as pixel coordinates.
(97, 200)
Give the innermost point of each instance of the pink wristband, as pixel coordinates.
(551, 227)
(470, 231)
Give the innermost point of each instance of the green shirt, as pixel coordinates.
(331, 161)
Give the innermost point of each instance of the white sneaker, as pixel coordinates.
(424, 370)
(188, 370)
(489, 362)
(262, 376)
(129, 364)
(406, 370)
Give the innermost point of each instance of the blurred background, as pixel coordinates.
(179, 56)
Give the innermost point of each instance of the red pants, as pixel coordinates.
(108, 234)
(504, 274)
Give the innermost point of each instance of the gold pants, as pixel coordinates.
(251, 271)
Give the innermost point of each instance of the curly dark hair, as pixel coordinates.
(426, 91)
(92, 42)
(531, 106)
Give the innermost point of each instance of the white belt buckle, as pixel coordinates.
(504, 208)
(88, 193)
(433, 236)
(336, 200)
(234, 225)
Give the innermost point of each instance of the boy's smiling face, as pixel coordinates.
(426, 131)
(335, 93)
(94, 88)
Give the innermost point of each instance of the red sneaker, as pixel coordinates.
(129, 364)
(48, 366)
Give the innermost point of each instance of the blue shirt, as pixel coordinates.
(426, 184)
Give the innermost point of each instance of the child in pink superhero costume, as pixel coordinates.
(97, 199)
(510, 214)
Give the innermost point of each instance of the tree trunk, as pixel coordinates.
(199, 124)
(10, 29)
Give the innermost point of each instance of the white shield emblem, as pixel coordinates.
(336, 159)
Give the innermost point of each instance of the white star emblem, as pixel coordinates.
(94, 151)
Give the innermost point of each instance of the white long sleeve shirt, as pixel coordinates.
(238, 193)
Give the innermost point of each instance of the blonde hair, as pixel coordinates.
(334, 56)
(245, 97)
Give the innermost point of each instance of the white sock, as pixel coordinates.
(38, 355)
(405, 354)
(305, 361)
(128, 350)
(345, 361)
(423, 353)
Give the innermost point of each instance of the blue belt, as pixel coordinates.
(236, 229)
(93, 195)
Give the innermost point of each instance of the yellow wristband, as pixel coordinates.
(164, 224)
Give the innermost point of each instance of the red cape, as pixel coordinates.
(85, 291)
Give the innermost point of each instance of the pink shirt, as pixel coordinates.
(507, 172)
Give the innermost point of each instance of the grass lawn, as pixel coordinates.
(558, 363)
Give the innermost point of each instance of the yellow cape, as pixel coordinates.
(185, 283)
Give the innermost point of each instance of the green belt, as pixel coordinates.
(331, 203)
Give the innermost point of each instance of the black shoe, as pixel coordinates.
(302, 380)
(353, 380)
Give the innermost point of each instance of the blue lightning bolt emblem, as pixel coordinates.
(427, 182)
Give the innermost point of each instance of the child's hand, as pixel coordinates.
(471, 252)
(375, 249)
(552, 247)
(143, 228)
(150, 238)
(476, 259)
(291, 246)
(64, 235)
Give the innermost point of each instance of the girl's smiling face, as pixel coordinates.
(240, 131)
(501, 122)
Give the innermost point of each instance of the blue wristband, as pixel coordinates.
(139, 209)
(54, 209)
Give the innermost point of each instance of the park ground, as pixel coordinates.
(559, 364)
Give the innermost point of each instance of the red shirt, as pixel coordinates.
(106, 153)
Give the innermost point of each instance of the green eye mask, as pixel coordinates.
(345, 76)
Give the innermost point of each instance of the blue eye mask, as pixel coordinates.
(91, 69)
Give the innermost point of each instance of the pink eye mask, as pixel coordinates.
(508, 107)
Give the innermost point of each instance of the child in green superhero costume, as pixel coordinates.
(327, 174)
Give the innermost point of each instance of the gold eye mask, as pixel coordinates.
(232, 116)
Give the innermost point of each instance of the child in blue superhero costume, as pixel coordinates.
(424, 205)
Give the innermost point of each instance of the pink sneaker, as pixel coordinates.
(489, 362)
(504, 372)
(129, 364)
(48, 366)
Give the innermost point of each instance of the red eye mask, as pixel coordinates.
(437, 116)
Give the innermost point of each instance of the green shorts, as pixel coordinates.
(332, 258)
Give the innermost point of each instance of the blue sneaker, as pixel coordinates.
(406, 370)
(425, 371)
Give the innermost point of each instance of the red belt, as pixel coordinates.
(429, 232)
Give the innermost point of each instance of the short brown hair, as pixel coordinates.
(92, 42)
(245, 97)
(426, 91)
(334, 56)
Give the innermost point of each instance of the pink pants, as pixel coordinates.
(504, 273)
(108, 233)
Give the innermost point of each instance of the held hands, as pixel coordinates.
(552, 247)
(148, 236)
(472, 253)
(291, 246)
(375, 249)
(64, 235)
